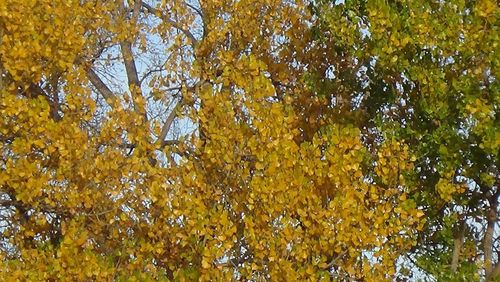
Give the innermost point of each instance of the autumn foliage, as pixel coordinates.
(249, 140)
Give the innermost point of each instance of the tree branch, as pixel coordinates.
(494, 273)
(132, 76)
(173, 23)
(198, 11)
(136, 10)
(33, 90)
(458, 241)
(101, 87)
(488, 237)
(168, 123)
(134, 83)
(53, 103)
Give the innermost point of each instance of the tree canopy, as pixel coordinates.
(249, 140)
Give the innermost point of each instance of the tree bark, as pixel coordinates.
(488, 239)
(457, 246)
(101, 87)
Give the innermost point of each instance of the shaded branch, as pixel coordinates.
(53, 103)
(34, 90)
(334, 260)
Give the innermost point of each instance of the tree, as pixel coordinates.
(425, 73)
(249, 140)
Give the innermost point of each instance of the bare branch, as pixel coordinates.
(198, 11)
(101, 87)
(334, 260)
(173, 23)
(169, 142)
(5, 203)
(164, 143)
(457, 246)
(234, 262)
(168, 123)
(129, 62)
(488, 237)
(132, 76)
(136, 10)
(154, 70)
(494, 273)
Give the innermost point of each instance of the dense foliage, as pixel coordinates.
(249, 140)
